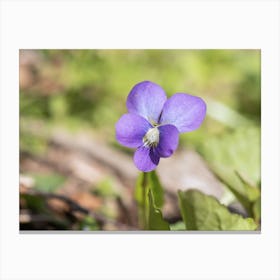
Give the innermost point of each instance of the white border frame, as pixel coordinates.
(155, 24)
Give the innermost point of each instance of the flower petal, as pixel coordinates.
(145, 159)
(168, 140)
(130, 130)
(185, 111)
(146, 99)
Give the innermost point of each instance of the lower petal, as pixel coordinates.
(145, 159)
(168, 140)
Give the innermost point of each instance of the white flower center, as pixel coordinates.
(151, 139)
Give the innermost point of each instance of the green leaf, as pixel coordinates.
(257, 210)
(235, 158)
(252, 192)
(148, 182)
(157, 189)
(178, 226)
(153, 184)
(204, 212)
(156, 221)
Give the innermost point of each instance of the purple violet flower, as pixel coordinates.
(153, 122)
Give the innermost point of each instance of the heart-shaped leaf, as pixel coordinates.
(204, 212)
(235, 159)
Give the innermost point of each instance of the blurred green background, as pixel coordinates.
(86, 90)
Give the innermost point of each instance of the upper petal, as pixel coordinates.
(130, 130)
(146, 99)
(145, 159)
(185, 111)
(168, 140)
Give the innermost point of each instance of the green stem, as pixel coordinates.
(144, 200)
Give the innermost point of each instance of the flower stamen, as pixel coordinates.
(151, 138)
